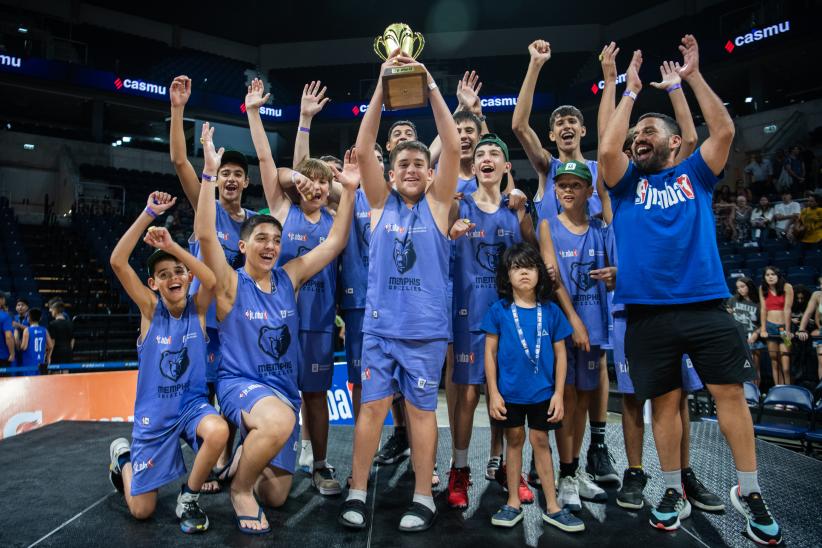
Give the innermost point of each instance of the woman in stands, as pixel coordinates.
(776, 296)
(762, 220)
(813, 317)
(741, 220)
(744, 307)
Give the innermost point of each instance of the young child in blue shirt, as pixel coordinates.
(527, 331)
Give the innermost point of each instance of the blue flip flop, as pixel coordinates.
(248, 530)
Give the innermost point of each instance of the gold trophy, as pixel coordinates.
(403, 86)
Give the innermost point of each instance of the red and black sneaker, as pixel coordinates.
(458, 480)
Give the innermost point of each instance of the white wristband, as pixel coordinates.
(629, 93)
(432, 86)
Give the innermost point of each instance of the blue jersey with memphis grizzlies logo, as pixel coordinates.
(354, 258)
(35, 352)
(477, 254)
(577, 255)
(548, 207)
(172, 369)
(407, 274)
(259, 335)
(316, 300)
(228, 234)
(666, 235)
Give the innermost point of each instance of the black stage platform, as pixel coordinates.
(55, 492)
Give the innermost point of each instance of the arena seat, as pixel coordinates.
(797, 396)
(757, 265)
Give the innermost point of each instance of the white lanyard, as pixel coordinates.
(535, 359)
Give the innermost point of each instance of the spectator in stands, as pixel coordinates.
(7, 331)
(20, 322)
(762, 220)
(786, 213)
(808, 229)
(744, 307)
(809, 325)
(759, 174)
(723, 208)
(741, 220)
(796, 168)
(61, 332)
(34, 344)
(776, 296)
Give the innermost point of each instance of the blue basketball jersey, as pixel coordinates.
(467, 186)
(316, 300)
(172, 369)
(548, 207)
(35, 352)
(258, 336)
(228, 234)
(577, 255)
(407, 274)
(354, 258)
(477, 254)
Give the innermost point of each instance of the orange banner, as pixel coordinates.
(31, 402)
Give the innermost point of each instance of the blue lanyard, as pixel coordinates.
(535, 359)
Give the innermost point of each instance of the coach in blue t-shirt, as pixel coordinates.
(672, 284)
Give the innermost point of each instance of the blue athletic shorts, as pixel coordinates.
(214, 356)
(238, 394)
(412, 367)
(469, 358)
(353, 343)
(317, 361)
(583, 367)
(155, 461)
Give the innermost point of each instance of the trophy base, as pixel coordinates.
(405, 87)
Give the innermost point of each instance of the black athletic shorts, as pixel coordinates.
(537, 414)
(657, 336)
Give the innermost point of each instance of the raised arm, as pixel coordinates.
(549, 257)
(275, 198)
(721, 129)
(179, 93)
(445, 180)
(205, 227)
(145, 299)
(540, 52)
(607, 102)
(301, 269)
(467, 99)
(159, 238)
(672, 83)
(312, 102)
(613, 162)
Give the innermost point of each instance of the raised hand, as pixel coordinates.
(670, 75)
(349, 177)
(254, 99)
(690, 57)
(160, 202)
(180, 91)
(303, 184)
(540, 51)
(159, 237)
(396, 59)
(210, 153)
(468, 92)
(313, 99)
(608, 61)
(517, 200)
(633, 83)
(460, 228)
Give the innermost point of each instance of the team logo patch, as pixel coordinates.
(404, 254)
(581, 275)
(274, 341)
(174, 364)
(302, 250)
(488, 255)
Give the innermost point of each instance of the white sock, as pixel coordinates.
(414, 521)
(460, 458)
(351, 516)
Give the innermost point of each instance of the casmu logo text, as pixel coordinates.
(9, 61)
(139, 85)
(756, 35)
(595, 88)
(266, 111)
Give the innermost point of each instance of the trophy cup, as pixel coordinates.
(403, 86)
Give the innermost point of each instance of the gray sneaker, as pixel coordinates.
(118, 447)
(325, 482)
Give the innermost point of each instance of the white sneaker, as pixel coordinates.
(118, 447)
(306, 461)
(589, 490)
(568, 494)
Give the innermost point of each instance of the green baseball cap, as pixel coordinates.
(577, 169)
(492, 139)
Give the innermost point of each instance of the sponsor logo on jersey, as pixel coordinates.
(668, 196)
(274, 341)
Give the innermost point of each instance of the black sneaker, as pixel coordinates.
(671, 509)
(761, 527)
(699, 495)
(394, 450)
(192, 518)
(630, 494)
(599, 464)
(533, 475)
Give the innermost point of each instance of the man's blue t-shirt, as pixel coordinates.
(5, 327)
(517, 380)
(666, 235)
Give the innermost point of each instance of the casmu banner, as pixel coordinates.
(31, 402)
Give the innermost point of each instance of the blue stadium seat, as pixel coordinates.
(813, 258)
(772, 246)
(726, 248)
(752, 395)
(797, 396)
(757, 265)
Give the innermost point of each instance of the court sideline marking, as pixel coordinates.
(41, 539)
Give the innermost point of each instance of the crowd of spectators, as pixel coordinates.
(15, 326)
